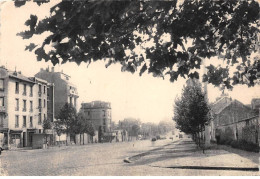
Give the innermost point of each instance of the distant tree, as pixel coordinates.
(135, 130)
(46, 124)
(165, 126)
(191, 111)
(58, 127)
(84, 126)
(67, 119)
(87, 31)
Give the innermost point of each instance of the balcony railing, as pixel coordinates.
(24, 93)
(31, 95)
(31, 125)
(40, 94)
(24, 125)
(31, 110)
(16, 108)
(24, 109)
(16, 91)
(16, 125)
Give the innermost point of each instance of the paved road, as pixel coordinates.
(93, 159)
(96, 159)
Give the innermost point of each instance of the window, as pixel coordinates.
(24, 105)
(40, 103)
(2, 101)
(104, 113)
(31, 90)
(31, 106)
(44, 89)
(1, 120)
(44, 116)
(40, 89)
(24, 89)
(17, 104)
(70, 100)
(88, 112)
(24, 121)
(44, 103)
(40, 119)
(1, 85)
(17, 87)
(31, 121)
(16, 121)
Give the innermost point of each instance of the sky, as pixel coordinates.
(148, 98)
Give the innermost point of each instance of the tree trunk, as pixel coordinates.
(83, 139)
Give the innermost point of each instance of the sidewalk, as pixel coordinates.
(186, 155)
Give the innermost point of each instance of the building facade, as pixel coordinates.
(23, 107)
(233, 120)
(64, 90)
(99, 113)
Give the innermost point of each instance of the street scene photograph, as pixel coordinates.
(129, 88)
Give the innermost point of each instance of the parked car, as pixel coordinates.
(154, 139)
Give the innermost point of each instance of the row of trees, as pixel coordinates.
(135, 127)
(191, 110)
(68, 121)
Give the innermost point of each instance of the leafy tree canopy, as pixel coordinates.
(66, 119)
(47, 124)
(191, 111)
(161, 37)
(84, 126)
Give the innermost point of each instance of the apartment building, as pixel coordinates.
(64, 90)
(23, 107)
(99, 113)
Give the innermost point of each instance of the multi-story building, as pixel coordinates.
(23, 107)
(99, 113)
(64, 90)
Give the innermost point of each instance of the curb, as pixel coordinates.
(127, 160)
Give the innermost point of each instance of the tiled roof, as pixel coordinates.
(219, 105)
(19, 76)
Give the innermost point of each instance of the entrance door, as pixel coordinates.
(24, 139)
(30, 141)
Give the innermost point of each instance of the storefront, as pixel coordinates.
(16, 139)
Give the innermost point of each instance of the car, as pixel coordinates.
(154, 139)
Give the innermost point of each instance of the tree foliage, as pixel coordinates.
(191, 111)
(46, 124)
(84, 126)
(87, 31)
(67, 119)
